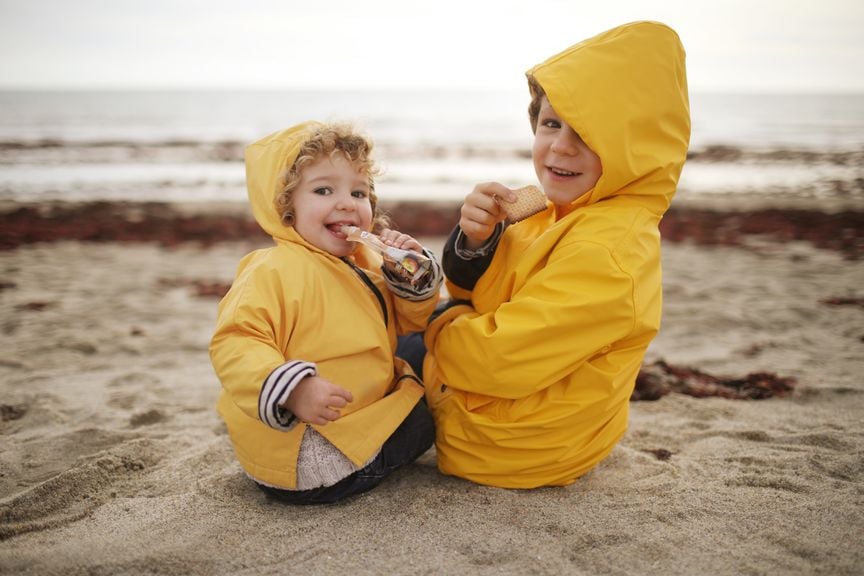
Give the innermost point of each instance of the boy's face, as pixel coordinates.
(331, 193)
(565, 166)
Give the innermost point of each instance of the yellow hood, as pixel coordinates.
(627, 98)
(266, 161)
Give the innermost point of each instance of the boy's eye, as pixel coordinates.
(359, 194)
(551, 123)
(323, 191)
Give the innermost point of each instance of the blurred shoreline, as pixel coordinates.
(189, 171)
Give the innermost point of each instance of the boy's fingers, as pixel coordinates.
(496, 192)
(505, 196)
(485, 200)
(483, 214)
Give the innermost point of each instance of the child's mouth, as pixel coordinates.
(335, 228)
(560, 172)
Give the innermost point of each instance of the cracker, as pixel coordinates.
(530, 200)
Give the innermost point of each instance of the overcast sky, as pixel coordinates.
(732, 45)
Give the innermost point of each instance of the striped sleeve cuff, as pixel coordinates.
(277, 386)
(485, 250)
(405, 290)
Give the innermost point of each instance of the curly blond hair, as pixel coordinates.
(327, 141)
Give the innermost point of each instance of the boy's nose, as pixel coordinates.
(567, 141)
(564, 144)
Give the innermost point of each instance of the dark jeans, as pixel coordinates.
(412, 348)
(407, 443)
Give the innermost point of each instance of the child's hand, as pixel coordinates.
(316, 400)
(481, 212)
(400, 240)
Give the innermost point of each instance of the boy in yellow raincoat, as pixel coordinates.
(530, 376)
(316, 405)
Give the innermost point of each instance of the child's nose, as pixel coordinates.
(566, 142)
(345, 202)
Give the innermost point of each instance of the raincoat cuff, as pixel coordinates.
(487, 248)
(277, 387)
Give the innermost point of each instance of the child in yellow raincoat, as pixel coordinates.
(529, 374)
(316, 404)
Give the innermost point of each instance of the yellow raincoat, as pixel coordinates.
(530, 384)
(294, 302)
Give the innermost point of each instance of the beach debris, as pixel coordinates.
(843, 301)
(840, 231)
(35, 306)
(169, 225)
(85, 348)
(10, 412)
(201, 288)
(205, 289)
(659, 378)
(146, 418)
(660, 453)
(754, 350)
(406, 264)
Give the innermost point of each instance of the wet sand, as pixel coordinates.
(113, 460)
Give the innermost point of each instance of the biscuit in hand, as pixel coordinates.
(529, 201)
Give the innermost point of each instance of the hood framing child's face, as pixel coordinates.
(566, 167)
(332, 193)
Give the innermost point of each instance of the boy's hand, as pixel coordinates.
(400, 240)
(316, 400)
(481, 212)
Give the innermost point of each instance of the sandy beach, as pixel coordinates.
(114, 461)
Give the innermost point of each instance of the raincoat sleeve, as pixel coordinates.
(576, 307)
(254, 317)
(463, 267)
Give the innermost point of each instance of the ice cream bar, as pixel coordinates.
(408, 265)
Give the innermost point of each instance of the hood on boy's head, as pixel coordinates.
(266, 162)
(625, 93)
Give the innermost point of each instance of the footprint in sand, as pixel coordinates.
(77, 491)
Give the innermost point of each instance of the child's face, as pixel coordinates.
(331, 193)
(565, 166)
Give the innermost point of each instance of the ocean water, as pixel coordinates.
(187, 146)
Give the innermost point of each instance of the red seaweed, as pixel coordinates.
(659, 378)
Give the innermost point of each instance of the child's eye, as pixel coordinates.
(360, 194)
(551, 123)
(323, 191)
